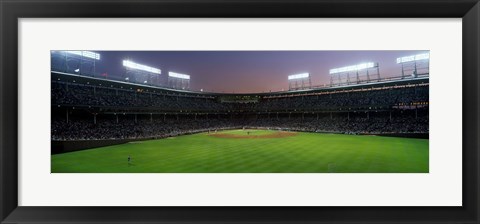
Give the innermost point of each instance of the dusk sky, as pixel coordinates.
(249, 71)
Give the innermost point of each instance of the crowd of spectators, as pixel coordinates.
(326, 112)
(86, 95)
(82, 128)
(378, 124)
(371, 98)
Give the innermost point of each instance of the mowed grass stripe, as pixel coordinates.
(303, 153)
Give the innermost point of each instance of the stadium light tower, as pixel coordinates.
(139, 73)
(299, 81)
(87, 54)
(78, 62)
(178, 81)
(414, 63)
(359, 71)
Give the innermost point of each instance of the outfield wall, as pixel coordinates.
(407, 135)
(64, 146)
(70, 146)
(401, 135)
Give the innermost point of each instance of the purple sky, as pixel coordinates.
(249, 71)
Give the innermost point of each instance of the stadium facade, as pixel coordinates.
(111, 112)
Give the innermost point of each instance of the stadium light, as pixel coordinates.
(352, 68)
(131, 64)
(417, 57)
(87, 54)
(178, 75)
(299, 76)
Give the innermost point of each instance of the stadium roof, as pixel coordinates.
(68, 77)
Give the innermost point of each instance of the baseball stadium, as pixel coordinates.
(146, 120)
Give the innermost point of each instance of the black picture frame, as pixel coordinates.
(11, 11)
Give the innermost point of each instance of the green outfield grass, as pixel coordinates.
(302, 153)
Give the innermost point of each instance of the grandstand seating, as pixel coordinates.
(85, 108)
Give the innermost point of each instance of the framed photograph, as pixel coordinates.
(239, 111)
(113, 115)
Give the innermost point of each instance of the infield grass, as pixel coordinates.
(302, 153)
